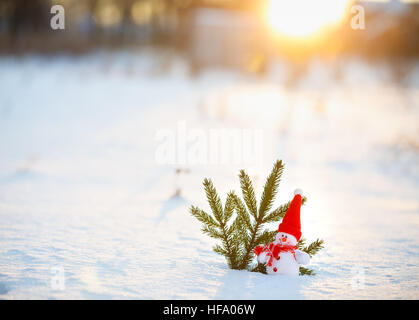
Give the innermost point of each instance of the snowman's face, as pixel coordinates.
(285, 239)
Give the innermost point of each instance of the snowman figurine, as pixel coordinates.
(282, 255)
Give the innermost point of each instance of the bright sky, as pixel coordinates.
(408, 1)
(303, 18)
(300, 18)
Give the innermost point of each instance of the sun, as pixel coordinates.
(301, 18)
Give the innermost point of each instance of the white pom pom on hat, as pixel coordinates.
(298, 191)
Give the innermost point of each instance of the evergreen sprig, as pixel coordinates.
(313, 247)
(306, 272)
(217, 227)
(246, 231)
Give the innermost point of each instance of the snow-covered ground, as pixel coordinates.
(85, 189)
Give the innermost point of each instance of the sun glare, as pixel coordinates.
(300, 18)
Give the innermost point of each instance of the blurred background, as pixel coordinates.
(245, 34)
(109, 126)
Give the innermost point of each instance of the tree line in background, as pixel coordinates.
(25, 26)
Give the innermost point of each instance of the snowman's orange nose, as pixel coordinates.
(284, 239)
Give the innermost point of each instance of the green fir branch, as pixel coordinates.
(301, 244)
(217, 228)
(268, 196)
(271, 188)
(248, 193)
(218, 249)
(229, 207)
(239, 237)
(242, 212)
(306, 272)
(314, 247)
(212, 232)
(213, 200)
(203, 217)
(265, 237)
(260, 267)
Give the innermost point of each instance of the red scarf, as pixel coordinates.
(273, 251)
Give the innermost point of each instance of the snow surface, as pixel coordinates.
(81, 187)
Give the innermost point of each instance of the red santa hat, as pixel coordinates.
(291, 222)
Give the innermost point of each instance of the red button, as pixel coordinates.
(275, 269)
